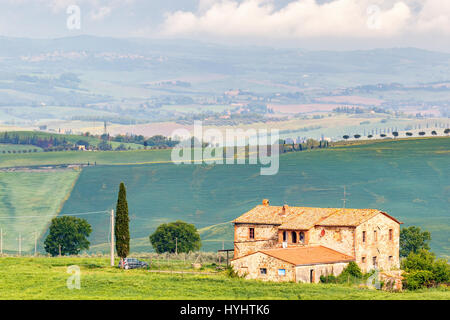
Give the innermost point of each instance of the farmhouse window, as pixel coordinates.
(374, 260)
(391, 235)
(364, 236)
(363, 259)
(281, 272)
(390, 258)
(302, 237)
(284, 236)
(252, 233)
(294, 237)
(375, 236)
(263, 271)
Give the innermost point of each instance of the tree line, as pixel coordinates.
(395, 134)
(46, 143)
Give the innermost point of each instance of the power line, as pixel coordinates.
(44, 216)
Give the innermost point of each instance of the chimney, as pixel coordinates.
(265, 202)
(284, 210)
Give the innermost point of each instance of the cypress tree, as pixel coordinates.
(121, 228)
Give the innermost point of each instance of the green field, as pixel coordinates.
(17, 147)
(46, 278)
(406, 178)
(28, 201)
(83, 157)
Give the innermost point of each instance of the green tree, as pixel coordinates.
(417, 279)
(412, 239)
(351, 274)
(423, 270)
(83, 143)
(441, 270)
(421, 260)
(67, 235)
(176, 236)
(121, 147)
(121, 227)
(104, 146)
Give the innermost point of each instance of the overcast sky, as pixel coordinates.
(309, 24)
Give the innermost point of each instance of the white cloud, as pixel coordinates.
(434, 17)
(303, 19)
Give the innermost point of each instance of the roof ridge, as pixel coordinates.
(260, 205)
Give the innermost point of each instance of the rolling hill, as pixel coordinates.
(406, 178)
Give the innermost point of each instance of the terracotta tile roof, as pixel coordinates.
(304, 218)
(348, 217)
(308, 255)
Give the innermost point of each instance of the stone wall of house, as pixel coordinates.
(266, 237)
(386, 251)
(341, 239)
(250, 266)
(303, 273)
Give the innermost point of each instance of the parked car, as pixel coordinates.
(132, 263)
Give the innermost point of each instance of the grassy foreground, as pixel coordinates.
(45, 278)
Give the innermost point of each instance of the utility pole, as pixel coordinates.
(20, 244)
(176, 245)
(35, 242)
(344, 200)
(1, 241)
(112, 238)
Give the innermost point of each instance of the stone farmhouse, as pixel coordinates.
(282, 243)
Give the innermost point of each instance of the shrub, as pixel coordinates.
(353, 270)
(352, 273)
(328, 279)
(231, 273)
(423, 270)
(418, 279)
(422, 260)
(441, 271)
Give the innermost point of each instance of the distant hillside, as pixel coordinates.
(111, 71)
(408, 179)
